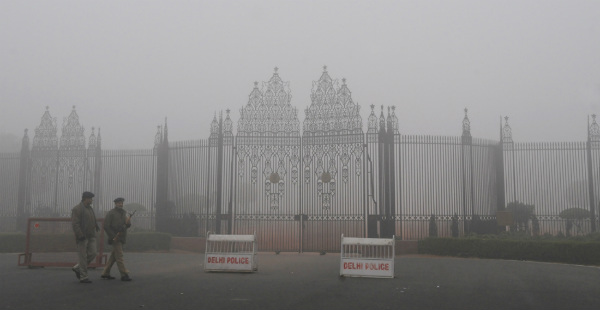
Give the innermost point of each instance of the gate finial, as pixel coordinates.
(506, 132)
(466, 125)
(594, 130)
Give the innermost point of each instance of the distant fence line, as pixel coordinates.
(439, 176)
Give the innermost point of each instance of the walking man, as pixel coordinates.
(115, 226)
(85, 227)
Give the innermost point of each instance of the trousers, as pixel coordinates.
(116, 256)
(86, 250)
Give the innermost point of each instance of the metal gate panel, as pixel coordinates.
(333, 190)
(267, 191)
(267, 168)
(333, 170)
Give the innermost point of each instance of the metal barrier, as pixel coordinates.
(236, 253)
(53, 243)
(367, 257)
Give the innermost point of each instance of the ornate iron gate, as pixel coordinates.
(298, 188)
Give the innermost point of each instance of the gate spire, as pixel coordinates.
(45, 137)
(506, 132)
(466, 125)
(269, 110)
(72, 137)
(267, 129)
(594, 130)
(372, 123)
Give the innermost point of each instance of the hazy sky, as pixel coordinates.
(126, 65)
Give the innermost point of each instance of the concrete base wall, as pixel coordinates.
(198, 244)
(190, 244)
(407, 247)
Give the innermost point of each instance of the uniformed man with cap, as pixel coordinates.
(85, 227)
(115, 226)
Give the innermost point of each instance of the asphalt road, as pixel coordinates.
(305, 281)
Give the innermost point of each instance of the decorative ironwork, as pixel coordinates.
(214, 127)
(386, 124)
(45, 137)
(466, 125)
(267, 217)
(381, 120)
(268, 137)
(158, 137)
(332, 110)
(44, 148)
(92, 140)
(394, 120)
(72, 145)
(372, 124)
(72, 137)
(594, 130)
(227, 125)
(332, 113)
(506, 132)
(269, 111)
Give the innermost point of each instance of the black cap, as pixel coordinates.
(119, 200)
(87, 195)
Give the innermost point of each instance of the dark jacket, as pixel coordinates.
(83, 221)
(115, 222)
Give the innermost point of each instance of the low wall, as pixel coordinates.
(190, 244)
(407, 247)
(198, 244)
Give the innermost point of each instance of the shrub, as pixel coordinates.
(514, 247)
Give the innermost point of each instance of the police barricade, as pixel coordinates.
(234, 253)
(367, 257)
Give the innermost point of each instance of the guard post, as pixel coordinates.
(233, 253)
(367, 257)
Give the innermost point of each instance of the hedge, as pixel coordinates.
(563, 251)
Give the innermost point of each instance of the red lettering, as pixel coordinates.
(380, 266)
(215, 260)
(229, 260)
(353, 265)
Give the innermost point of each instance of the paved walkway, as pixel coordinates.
(305, 281)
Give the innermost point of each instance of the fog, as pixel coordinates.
(128, 65)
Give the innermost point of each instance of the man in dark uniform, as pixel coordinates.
(115, 226)
(85, 227)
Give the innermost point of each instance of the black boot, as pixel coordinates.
(107, 277)
(76, 271)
